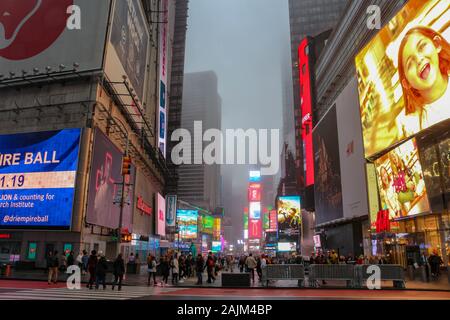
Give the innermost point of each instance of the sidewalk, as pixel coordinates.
(141, 280)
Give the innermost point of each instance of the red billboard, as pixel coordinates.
(254, 229)
(254, 192)
(306, 109)
(273, 221)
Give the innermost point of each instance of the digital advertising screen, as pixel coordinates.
(187, 222)
(401, 182)
(273, 221)
(287, 246)
(289, 214)
(255, 210)
(161, 215)
(403, 75)
(216, 246)
(217, 228)
(254, 228)
(254, 192)
(255, 176)
(105, 180)
(37, 179)
(208, 224)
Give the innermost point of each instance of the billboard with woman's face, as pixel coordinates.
(401, 182)
(403, 75)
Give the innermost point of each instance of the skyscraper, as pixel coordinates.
(199, 184)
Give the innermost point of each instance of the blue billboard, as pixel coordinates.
(187, 223)
(37, 179)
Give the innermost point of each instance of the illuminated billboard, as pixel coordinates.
(254, 192)
(255, 176)
(161, 215)
(289, 215)
(37, 179)
(216, 228)
(216, 246)
(103, 208)
(255, 210)
(187, 223)
(403, 75)
(401, 182)
(254, 228)
(273, 221)
(287, 246)
(208, 224)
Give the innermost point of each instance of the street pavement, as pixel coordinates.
(34, 290)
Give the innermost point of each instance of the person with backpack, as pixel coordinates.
(151, 265)
(118, 271)
(92, 268)
(100, 272)
(210, 267)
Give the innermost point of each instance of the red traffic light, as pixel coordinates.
(126, 165)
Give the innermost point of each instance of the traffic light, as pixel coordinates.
(126, 165)
(126, 237)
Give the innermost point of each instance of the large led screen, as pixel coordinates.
(187, 222)
(255, 210)
(403, 75)
(401, 182)
(208, 224)
(289, 215)
(37, 179)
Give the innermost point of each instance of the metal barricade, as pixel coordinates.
(283, 272)
(342, 272)
(389, 272)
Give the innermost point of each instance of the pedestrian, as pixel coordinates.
(251, 263)
(100, 272)
(435, 262)
(210, 264)
(53, 265)
(189, 266)
(79, 261)
(70, 259)
(175, 269)
(259, 268)
(151, 265)
(85, 260)
(165, 270)
(118, 271)
(200, 268)
(92, 268)
(63, 263)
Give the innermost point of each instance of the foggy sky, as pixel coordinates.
(246, 42)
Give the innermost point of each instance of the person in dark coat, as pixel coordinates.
(118, 271)
(200, 268)
(100, 272)
(165, 270)
(92, 268)
(70, 259)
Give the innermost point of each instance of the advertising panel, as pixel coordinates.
(217, 228)
(36, 38)
(208, 224)
(403, 75)
(187, 223)
(163, 70)
(255, 210)
(327, 170)
(289, 215)
(206, 240)
(401, 183)
(266, 221)
(255, 229)
(306, 98)
(128, 48)
(351, 152)
(273, 221)
(254, 176)
(105, 186)
(161, 216)
(254, 192)
(37, 179)
(171, 212)
(216, 246)
(287, 246)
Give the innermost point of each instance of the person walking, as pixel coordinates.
(251, 264)
(100, 272)
(79, 261)
(210, 266)
(175, 269)
(151, 265)
(118, 271)
(92, 268)
(435, 262)
(200, 268)
(165, 270)
(70, 259)
(85, 260)
(53, 266)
